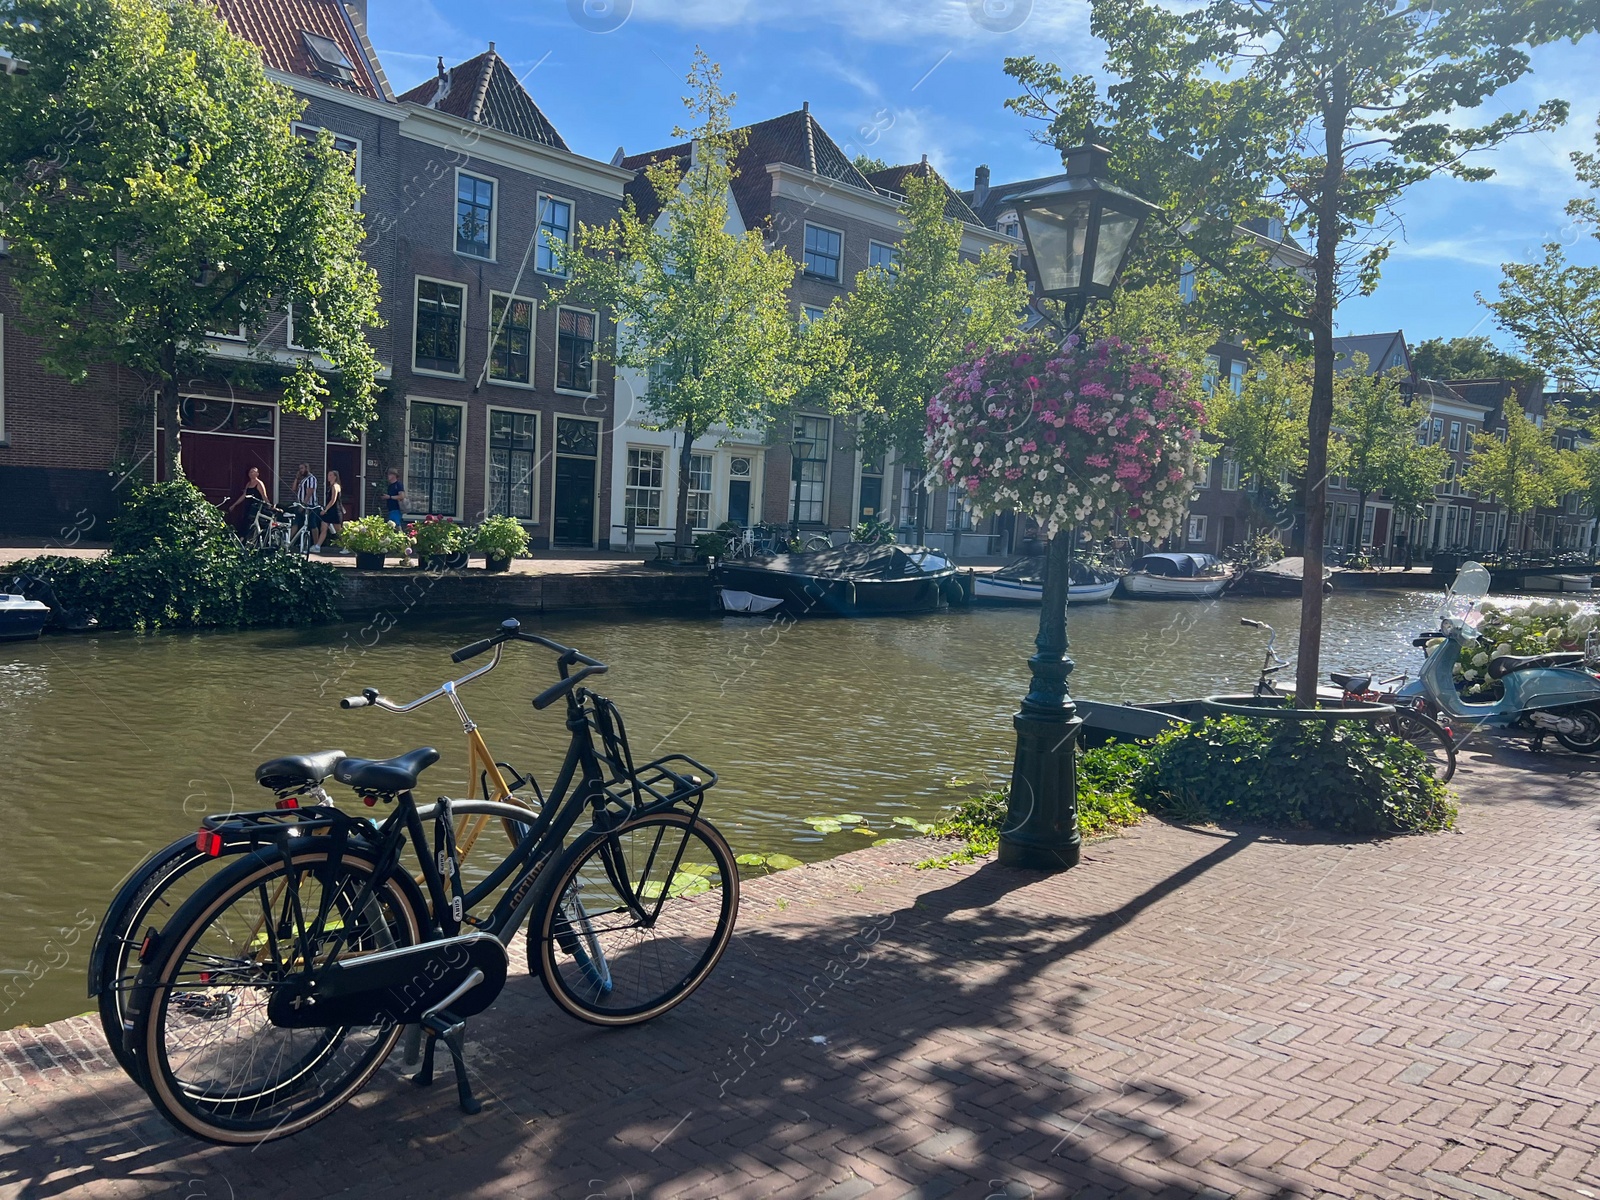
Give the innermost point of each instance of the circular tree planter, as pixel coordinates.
(369, 562)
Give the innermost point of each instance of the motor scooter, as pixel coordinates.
(1555, 693)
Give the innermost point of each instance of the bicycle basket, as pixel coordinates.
(606, 720)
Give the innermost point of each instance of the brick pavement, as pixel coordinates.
(1191, 1013)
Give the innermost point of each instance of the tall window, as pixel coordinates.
(434, 458)
(511, 326)
(512, 441)
(1208, 380)
(1236, 376)
(1186, 283)
(1230, 473)
(438, 344)
(474, 216)
(887, 257)
(348, 146)
(556, 225)
(823, 251)
(1438, 431)
(700, 491)
(575, 350)
(1455, 435)
(642, 500)
(957, 516)
(1197, 530)
(808, 484)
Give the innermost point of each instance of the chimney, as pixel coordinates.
(491, 47)
(980, 186)
(442, 75)
(805, 106)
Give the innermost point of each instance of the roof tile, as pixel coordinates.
(484, 90)
(277, 27)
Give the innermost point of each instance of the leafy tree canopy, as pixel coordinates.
(1377, 433)
(156, 191)
(867, 164)
(1472, 358)
(1522, 470)
(1264, 426)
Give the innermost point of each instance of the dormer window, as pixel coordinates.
(1008, 225)
(328, 56)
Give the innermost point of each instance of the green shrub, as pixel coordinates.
(373, 535)
(710, 545)
(434, 536)
(174, 566)
(1347, 779)
(500, 537)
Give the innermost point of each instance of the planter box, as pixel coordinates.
(491, 563)
(369, 562)
(447, 562)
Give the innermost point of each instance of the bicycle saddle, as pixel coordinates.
(294, 769)
(1351, 683)
(386, 775)
(1507, 663)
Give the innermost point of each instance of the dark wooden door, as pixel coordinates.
(574, 502)
(739, 501)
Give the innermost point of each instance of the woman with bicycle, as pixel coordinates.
(332, 512)
(255, 492)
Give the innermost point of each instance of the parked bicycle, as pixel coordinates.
(153, 891)
(284, 982)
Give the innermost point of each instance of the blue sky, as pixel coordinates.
(903, 78)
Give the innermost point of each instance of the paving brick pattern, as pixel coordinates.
(1192, 1013)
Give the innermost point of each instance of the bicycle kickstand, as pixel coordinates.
(446, 1026)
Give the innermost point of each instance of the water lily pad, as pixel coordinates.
(751, 860)
(913, 823)
(699, 868)
(782, 862)
(850, 819)
(865, 830)
(825, 826)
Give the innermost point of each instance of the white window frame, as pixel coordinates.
(1211, 374)
(537, 475)
(461, 339)
(533, 342)
(810, 312)
(1455, 435)
(555, 365)
(838, 276)
(461, 456)
(1236, 376)
(494, 216)
(1196, 532)
(827, 468)
(709, 491)
(338, 135)
(893, 265)
(661, 500)
(1230, 471)
(539, 213)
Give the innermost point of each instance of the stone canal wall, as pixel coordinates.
(363, 593)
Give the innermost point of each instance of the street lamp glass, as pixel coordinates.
(1057, 237)
(1116, 238)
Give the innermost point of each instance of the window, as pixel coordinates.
(555, 226)
(474, 216)
(2, 379)
(1449, 485)
(823, 251)
(513, 440)
(1197, 529)
(575, 351)
(328, 57)
(810, 312)
(1236, 376)
(345, 145)
(433, 460)
(1438, 431)
(1274, 229)
(438, 340)
(642, 501)
(1466, 439)
(1186, 283)
(1455, 435)
(1230, 473)
(290, 338)
(1008, 224)
(700, 491)
(511, 338)
(1398, 359)
(957, 516)
(808, 482)
(887, 257)
(1205, 477)
(1213, 369)
(205, 415)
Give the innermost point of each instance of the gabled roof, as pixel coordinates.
(892, 180)
(795, 138)
(997, 199)
(1378, 347)
(279, 28)
(485, 91)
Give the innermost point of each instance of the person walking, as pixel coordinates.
(305, 486)
(255, 492)
(396, 494)
(332, 512)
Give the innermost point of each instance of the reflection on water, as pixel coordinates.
(111, 746)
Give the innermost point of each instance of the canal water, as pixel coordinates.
(113, 745)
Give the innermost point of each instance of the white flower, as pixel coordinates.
(1502, 648)
(1480, 659)
(1470, 674)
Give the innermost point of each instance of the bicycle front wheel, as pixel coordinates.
(1430, 737)
(634, 919)
(214, 1063)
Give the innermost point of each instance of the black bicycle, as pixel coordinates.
(282, 984)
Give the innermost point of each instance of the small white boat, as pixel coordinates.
(1022, 582)
(746, 603)
(1178, 576)
(1558, 583)
(21, 619)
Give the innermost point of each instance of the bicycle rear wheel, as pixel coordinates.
(212, 1061)
(633, 920)
(1430, 737)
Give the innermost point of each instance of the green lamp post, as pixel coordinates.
(1079, 231)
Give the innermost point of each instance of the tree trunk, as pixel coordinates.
(685, 534)
(167, 414)
(1308, 665)
(1361, 520)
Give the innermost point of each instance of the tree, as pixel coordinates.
(1414, 474)
(905, 326)
(869, 164)
(704, 311)
(156, 190)
(1473, 358)
(1552, 307)
(1522, 470)
(1377, 431)
(1587, 464)
(1264, 426)
(1322, 111)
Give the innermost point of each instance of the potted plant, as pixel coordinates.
(440, 542)
(500, 539)
(371, 538)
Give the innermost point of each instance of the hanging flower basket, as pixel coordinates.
(1103, 436)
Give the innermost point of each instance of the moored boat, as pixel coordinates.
(1286, 577)
(1022, 582)
(21, 619)
(856, 580)
(1176, 576)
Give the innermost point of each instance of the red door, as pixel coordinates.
(346, 460)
